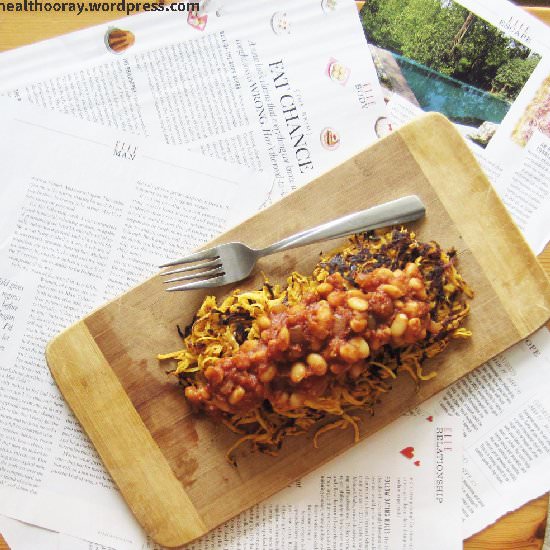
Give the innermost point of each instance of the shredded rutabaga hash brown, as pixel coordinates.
(275, 362)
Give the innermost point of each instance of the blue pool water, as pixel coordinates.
(458, 101)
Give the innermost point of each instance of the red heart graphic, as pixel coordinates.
(417, 462)
(430, 419)
(407, 452)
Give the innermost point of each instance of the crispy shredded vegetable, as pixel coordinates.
(255, 363)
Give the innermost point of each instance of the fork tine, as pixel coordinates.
(201, 275)
(209, 254)
(208, 283)
(202, 265)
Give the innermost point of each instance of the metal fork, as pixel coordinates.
(228, 263)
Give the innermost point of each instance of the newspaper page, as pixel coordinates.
(485, 65)
(506, 413)
(22, 536)
(400, 489)
(289, 87)
(85, 213)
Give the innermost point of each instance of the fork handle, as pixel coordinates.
(402, 210)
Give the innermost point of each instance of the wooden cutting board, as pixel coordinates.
(170, 464)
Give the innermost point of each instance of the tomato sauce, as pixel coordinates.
(330, 333)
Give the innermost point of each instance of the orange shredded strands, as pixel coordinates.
(264, 364)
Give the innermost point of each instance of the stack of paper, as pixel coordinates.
(127, 144)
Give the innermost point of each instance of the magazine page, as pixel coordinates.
(385, 493)
(382, 494)
(21, 536)
(85, 213)
(485, 65)
(506, 413)
(248, 82)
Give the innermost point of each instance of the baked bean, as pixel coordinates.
(358, 304)
(386, 273)
(317, 364)
(258, 356)
(355, 292)
(416, 284)
(263, 322)
(284, 337)
(297, 372)
(422, 294)
(296, 400)
(249, 345)
(277, 308)
(296, 309)
(361, 345)
(192, 394)
(214, 375)
(392, 290)
(324, 313)
(412, 270)
(335, 279)
(204, 393)
(410, 308)
(324, 289)
(336, 298)
(349, 353)
(414, 323)
(242, 361)
(358, 325)
(236, 395)
(268, 374)
(227, 387)
(399, 325)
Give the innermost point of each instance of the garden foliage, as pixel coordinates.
(450, 39)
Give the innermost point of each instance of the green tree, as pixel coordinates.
(512, 76)
(447, 38)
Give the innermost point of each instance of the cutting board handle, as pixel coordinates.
(125, 445)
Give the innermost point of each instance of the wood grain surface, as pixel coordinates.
(522, 529)
(161, 501)
(428, 158)
(519, 530)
